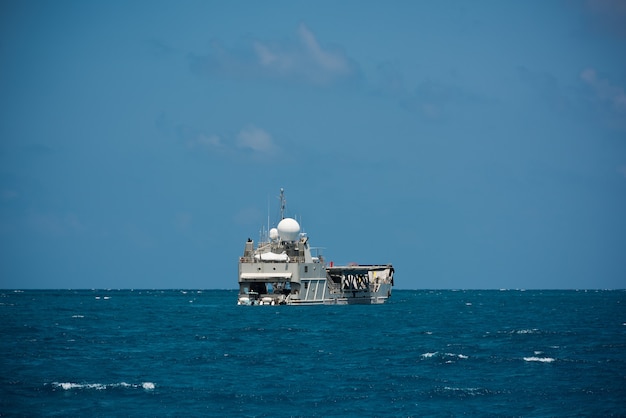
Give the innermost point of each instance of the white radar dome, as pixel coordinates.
(288, 229)
(273, 234)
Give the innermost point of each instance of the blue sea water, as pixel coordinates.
(195, 353)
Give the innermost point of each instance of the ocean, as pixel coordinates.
(424, 353)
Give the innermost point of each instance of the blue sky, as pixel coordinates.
(471, 144)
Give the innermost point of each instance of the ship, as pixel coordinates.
(283, 269)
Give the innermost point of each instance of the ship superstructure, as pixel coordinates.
(282, 270)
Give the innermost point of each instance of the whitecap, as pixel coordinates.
(540, 359)
(526, 331)
(461, 356)
(428, 355)
(78, 316)
(452, 389)
(101, 386)
(71, 385)
(66, 385)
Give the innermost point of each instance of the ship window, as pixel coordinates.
(306, 269)
(306, 285)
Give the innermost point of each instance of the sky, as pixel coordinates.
(473, 145)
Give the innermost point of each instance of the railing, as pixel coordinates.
(292, 259)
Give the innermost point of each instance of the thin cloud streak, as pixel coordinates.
(305, 61)
(604, 90)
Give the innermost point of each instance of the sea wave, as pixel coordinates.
(102, 386)
(447, 355)
(149, 351)
(525, 331)
(540, 359)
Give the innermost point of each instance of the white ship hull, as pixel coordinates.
(337, 288)
(282, 271)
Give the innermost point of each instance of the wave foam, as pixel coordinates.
(540, 359)
(466, 390)
(102, 386)
(526, 331)
(436, 353)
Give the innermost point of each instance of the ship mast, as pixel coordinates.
(282, 203)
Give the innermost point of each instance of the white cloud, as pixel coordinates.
(333, 62)
(305, 60)
(265, 55)
(604, 90)
(256, 139)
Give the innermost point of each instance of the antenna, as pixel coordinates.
(282, 203)
(268, 212)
